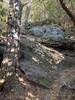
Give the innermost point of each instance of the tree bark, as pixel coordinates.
(27, 12)
(69, 13)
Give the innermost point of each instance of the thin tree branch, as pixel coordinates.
(69, 13)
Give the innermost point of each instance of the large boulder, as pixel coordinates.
(41, 64)
(37, 31)
(47, 32)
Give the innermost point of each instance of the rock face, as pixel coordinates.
(43, 65)
(37, 31)
(47, 32)
(38, 62)
(52, 36)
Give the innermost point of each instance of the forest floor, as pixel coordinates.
(19, 88)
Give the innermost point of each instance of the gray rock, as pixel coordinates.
(37, 31)
(47, 33)
(41, 64)
(36, 74)
(53, 33)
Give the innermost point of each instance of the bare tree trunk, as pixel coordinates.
(27, 12)
(10, 62)
(69, 13)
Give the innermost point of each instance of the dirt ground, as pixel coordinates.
(18, 88)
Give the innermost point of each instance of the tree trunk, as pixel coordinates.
(27, 12)
(10, 61)
(69, 13)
